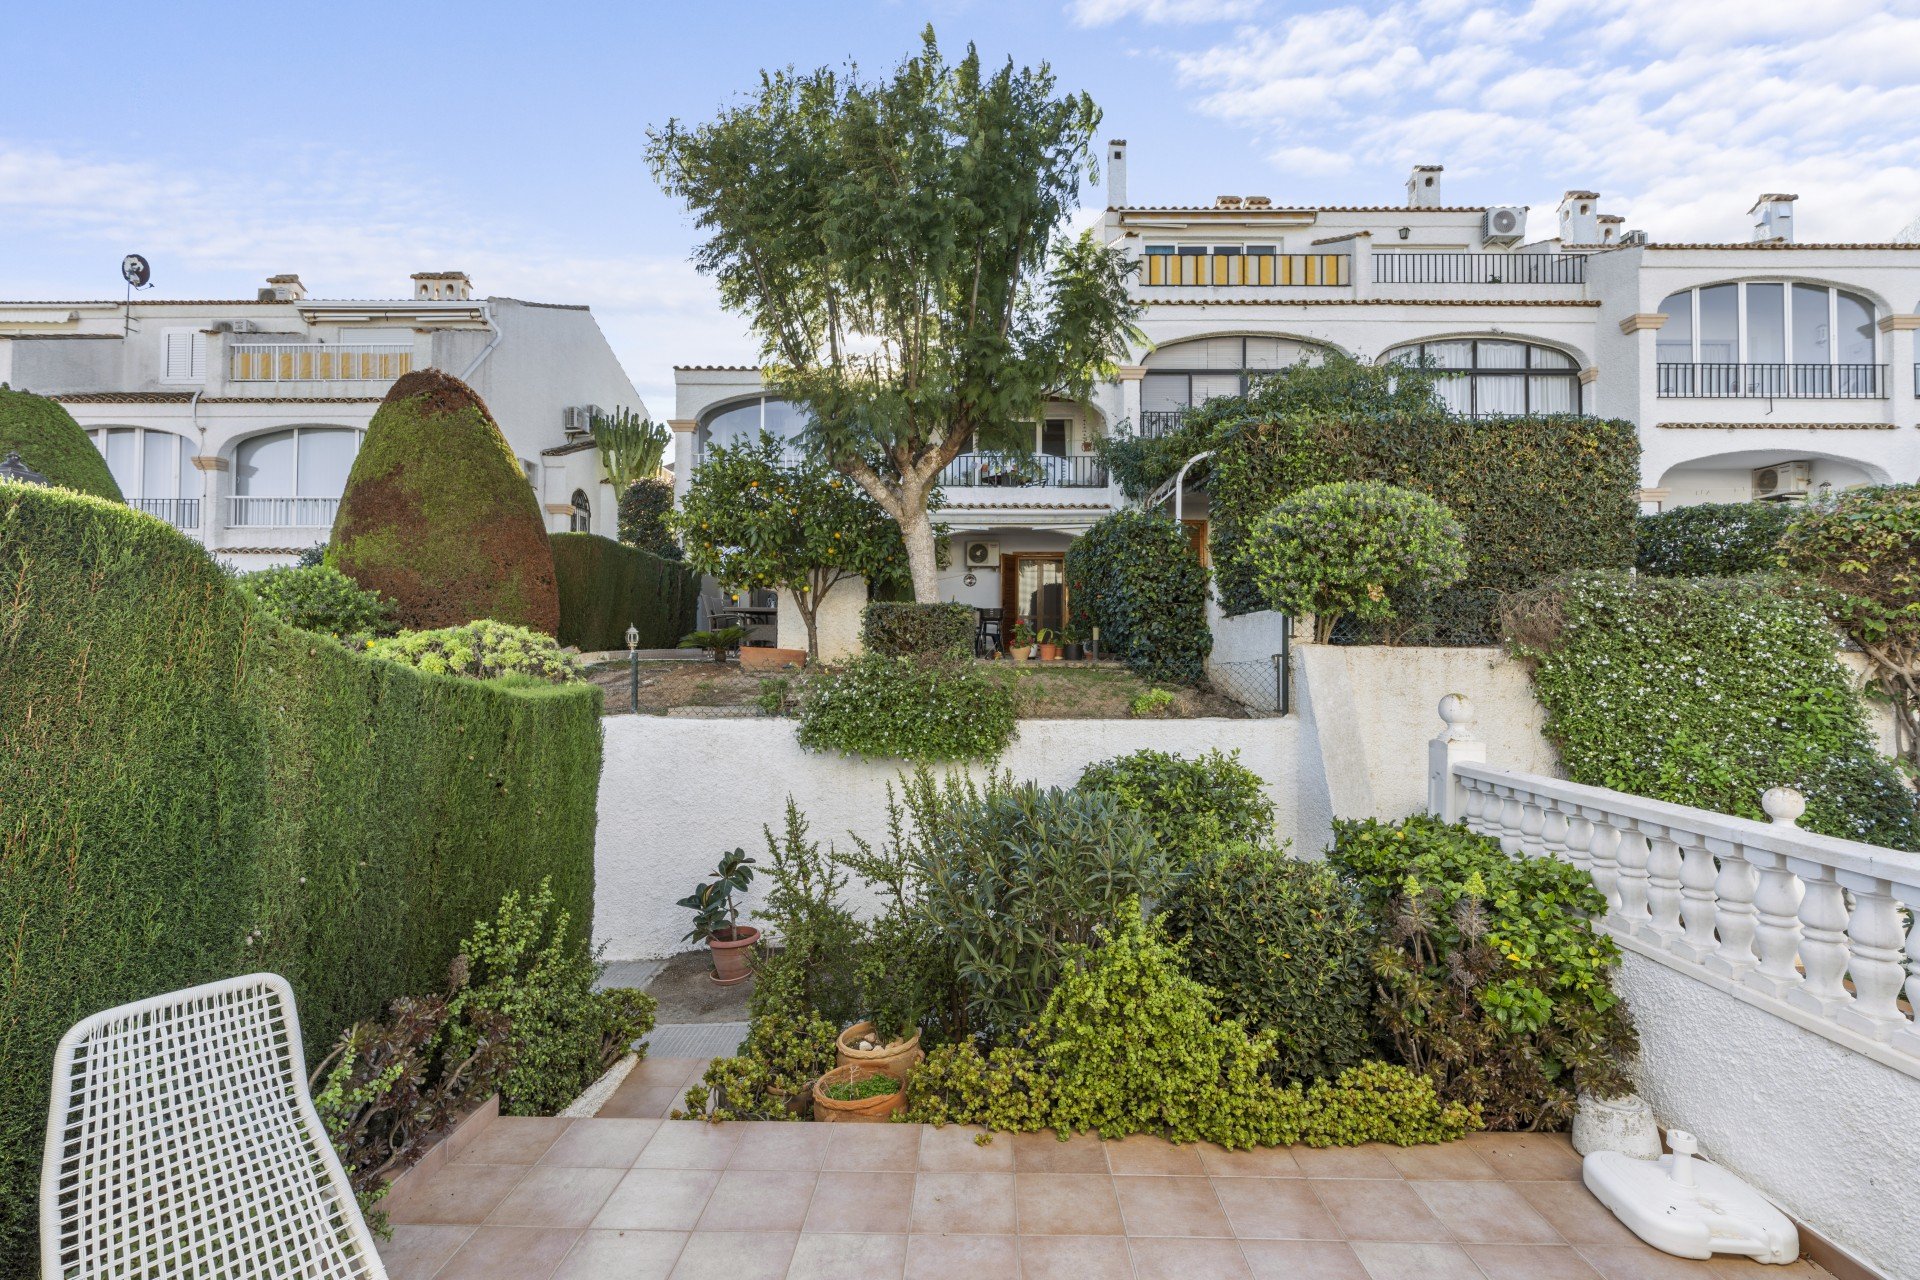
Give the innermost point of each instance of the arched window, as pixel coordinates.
(1494, 377)
(154, 470)
(1768, 338)
(744, 421)
(292, 478)
(1183, 374)
(581, 521)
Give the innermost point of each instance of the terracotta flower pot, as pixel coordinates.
(897, 1059)
(875, 1110)
(731, 952)
(1049, 653)
(760, 658)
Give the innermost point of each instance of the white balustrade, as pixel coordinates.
(1822, 931)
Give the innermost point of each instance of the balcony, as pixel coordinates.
(1018, 471)
(318, 361)
(1258, 270)
(1155, 423)
(181, 513)
(1479, 268)
(248, 512)
(1773, 381)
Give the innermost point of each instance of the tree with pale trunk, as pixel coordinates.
(901, 249)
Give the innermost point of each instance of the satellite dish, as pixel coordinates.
(136, 271)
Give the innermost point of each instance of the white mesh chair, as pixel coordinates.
(182, 1141)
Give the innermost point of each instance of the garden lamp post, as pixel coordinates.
(633, 668)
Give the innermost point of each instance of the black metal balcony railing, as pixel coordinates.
(1479, 268)
(1160, 422)
(1007, 470)
(1774, 381)
(181, 513)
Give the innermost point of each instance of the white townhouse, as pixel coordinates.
(1765, 368)
(237, 420)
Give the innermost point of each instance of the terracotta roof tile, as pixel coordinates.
(1297, 208)
(1776, 426)
(572, 446)
(1373, 302)
(183, 397)
(1786, 246)
(716, 368)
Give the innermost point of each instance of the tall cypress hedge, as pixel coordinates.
(190, 789)
(605, 586)
(47, 439)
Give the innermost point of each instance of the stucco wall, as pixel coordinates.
(836, 622)
(675, 793)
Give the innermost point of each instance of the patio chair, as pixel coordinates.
(182, 1141)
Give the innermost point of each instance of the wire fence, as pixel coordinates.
(1259, 686)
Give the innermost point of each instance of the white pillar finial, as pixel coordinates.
(1784, 805)
(1456, 712)
(1446, 797)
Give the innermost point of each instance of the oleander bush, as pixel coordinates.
(1489, 976)
(194, 789)
(879, 707)
(1712, 539)
(483, 650)
(1706, 692)
(907, 630)
(606, 587)
(1192, 805)
(1136, 576)
(316, 598)
(48, 440)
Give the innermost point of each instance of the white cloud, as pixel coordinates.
(1100, 13)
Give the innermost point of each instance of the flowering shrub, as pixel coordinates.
(903, 708)
(1713, 539)
(1337, 549)
(482, 650)
(316, 598)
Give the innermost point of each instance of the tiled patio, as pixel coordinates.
(626, 1196)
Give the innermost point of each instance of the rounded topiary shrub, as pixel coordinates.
(47, 439)
(482, 650)
(1193, 805)
(1712, 539)
(438, 516)
(316, 598)
(908, 630)
(1136, 576)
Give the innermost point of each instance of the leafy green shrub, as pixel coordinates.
(481, 650)
(256, 801)
(1136, 576)
(1706, 692)
(856, 1090)
(319, 599)
(48, 440)
(1192, 806)
(606, 587)
(1712, 539)
(772, 1075)
(644, 508)
(906, 630)
(1284, 945)
(719, 643)
(438, 517)
(1335, 550)
(902, 708)
(1489, 975)
(1151, 704)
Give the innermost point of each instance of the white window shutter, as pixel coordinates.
(186, 355)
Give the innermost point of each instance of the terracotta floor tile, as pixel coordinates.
(1726, 1267)
(1156, 1206)
(736, 1255)
(873, 1148)
(954, 1148)
(509, 1253)
(964, 1204)
(1575, 1214)
(1486, 1213)
(556, 1197)
(601, 1144)
(1144, 1154)
(1257, 1162)
(1530, 1262)
(862, 1202)
(1075, 1258)
(513, 1140)
(1302, 1260)
(416, 1252)
(1528, 1157)
(1386, 1261)
(781, 1144)
(1371, 1209)
(827, 1256)
(758, 1200)
(633, 1102)
(1275, 1209)
(1643, 1262)
(623, 1255)
(689, 1144)
(665, 1071)
(941, 1257)
(1066, 1204)
(1369, 1161)
(1159, 1258)
(657, 1200)
(1451, 1161)
(460, 1193)
(1044, 1152)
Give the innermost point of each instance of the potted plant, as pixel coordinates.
(1022, 640)
(716, 917)
(718, 643)
(861, 1045)
(1076, 648)
(858, 1094)
(1048, 644)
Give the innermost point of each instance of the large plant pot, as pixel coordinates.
(897, 1059)
(1076, 652)
(731, 953)
(1021, 653)
(757, 658)
(876, 1110)
(1049, 653)
(1623, 1124)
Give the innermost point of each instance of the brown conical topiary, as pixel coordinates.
(439, 517)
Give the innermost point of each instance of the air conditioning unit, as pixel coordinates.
(1782, 482)
(983, 555)
(1506, 224)
(579, 418)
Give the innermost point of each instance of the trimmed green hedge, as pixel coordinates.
(1135, 575)
(1713, 539)
(194, 789)
(605, 587)
(47, 439)
(907, 630)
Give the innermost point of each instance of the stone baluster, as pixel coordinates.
(1733, 910)
(1874, 939)
(1533, 821)
(1698, 879)
(1570, 834)
(1823, 939)
(1604, 849)
(1473, 802)
(1908, 1037)
(1512, 809)
(1776, 924)
(1663, 885)
(1631, 855)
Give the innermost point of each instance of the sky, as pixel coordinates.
(356, 143)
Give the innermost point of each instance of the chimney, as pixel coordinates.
(285, 288)
(1610, 225)
(1580, 217)
(441, 286)
(1227, 202)
(1775, 218)
(1117, 174)
(1423, 188)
